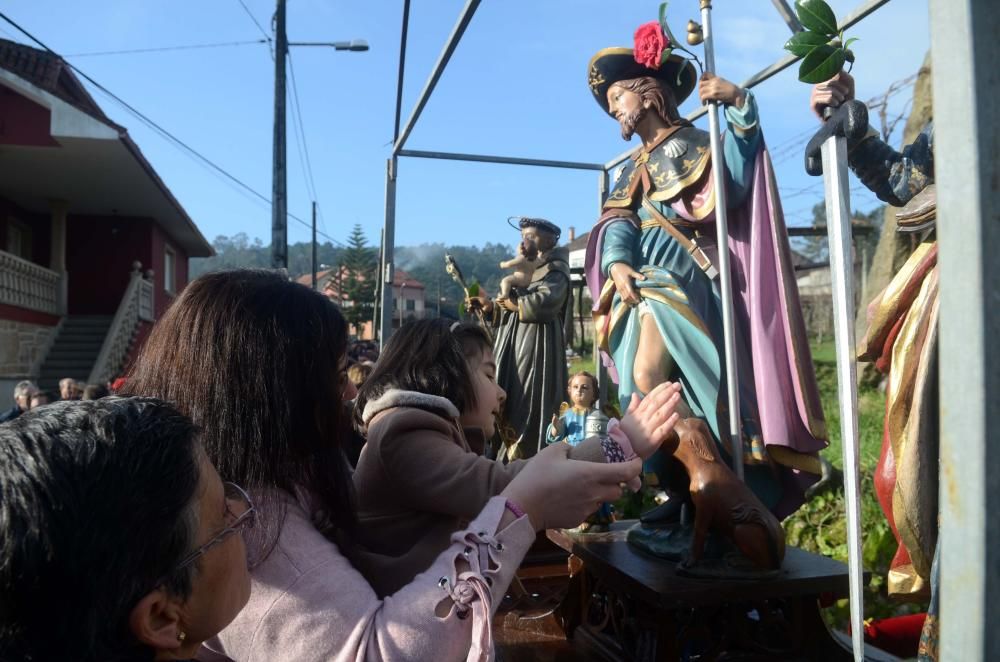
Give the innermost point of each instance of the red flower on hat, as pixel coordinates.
(650, 42)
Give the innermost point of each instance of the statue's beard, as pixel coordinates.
(630, 121)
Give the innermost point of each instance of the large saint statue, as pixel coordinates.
(529, 346)
(651, 268)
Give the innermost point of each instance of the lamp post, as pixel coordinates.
(279, 183)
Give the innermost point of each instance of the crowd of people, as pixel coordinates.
(180, 520)
(28, 396)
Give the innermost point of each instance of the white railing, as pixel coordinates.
(136, 306)
(27, 285)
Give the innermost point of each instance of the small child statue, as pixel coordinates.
(577, 420)
(523, 264)
(570, 424)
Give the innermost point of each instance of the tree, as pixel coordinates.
(359, 268)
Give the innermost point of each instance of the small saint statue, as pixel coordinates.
(577, 420)
(570, 424)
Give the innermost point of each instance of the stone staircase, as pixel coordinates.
(74, 351)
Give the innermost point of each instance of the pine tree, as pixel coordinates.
(359, 268)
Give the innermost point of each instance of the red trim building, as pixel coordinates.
(80, 207)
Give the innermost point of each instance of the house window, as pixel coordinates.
(411, 304)
(170, 271)
(18, 239)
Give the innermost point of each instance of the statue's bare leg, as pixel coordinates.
(653, 363)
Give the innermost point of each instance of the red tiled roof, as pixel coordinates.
(399, 277)
(51, 73)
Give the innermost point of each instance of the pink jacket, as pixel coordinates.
(309, 603)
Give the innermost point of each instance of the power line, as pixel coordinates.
(270, 40)
(149, 123)
(161, 49)
(300, 138)
(254, 19)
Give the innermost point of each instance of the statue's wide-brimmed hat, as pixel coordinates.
(611, 65)
(540, 223)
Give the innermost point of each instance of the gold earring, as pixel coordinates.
(181, 636)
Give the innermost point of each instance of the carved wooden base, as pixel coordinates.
(624, 605)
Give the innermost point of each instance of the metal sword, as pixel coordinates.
(848, 121)
(725, 274)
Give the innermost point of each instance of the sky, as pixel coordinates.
(515, 86)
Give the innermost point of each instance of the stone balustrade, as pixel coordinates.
(27, 285)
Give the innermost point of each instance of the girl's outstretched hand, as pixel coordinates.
(557, 492)
(648, 422)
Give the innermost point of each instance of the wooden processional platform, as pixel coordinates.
(621, 604)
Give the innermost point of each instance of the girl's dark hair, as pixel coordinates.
(430, 356)
(253, 359)
(98, 507)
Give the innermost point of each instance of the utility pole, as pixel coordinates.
(314, 265)
(279, 184)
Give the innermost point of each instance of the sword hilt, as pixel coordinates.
(849, 120)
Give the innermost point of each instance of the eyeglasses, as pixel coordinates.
(234, 494)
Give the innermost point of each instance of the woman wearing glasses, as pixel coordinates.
(118, 535)
(260, 364)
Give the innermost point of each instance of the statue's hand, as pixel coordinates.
(833, 92)
(508, 302)
(649, 422)
(716, 88)
(624, 276)
(479, 303)
(558, 425)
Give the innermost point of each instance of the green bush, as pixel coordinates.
(820, 525)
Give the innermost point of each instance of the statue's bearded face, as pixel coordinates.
(626, 106)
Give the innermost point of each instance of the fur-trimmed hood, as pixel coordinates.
(400, 398)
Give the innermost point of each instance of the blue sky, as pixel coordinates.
(516, 86)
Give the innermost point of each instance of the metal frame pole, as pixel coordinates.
(603, 185)
(449, 47)
(964, 53)
(725, 273)
(838, 214)
(388, 243)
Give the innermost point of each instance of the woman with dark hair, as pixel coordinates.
(117, 541)
(259, 363)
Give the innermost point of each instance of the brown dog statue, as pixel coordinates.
(723, 503)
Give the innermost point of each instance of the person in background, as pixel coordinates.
(280, 349)
(358, 372)
(22, 400)
(69, 389)
(95, 392)
(118, 535)
(40, 399)
(354, 441)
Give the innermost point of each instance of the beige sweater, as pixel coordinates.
(418, 480)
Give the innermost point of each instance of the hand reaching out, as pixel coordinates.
(650, 421)
(556, 492)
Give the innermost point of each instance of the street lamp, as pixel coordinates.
(279, 185)
(356, 45)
